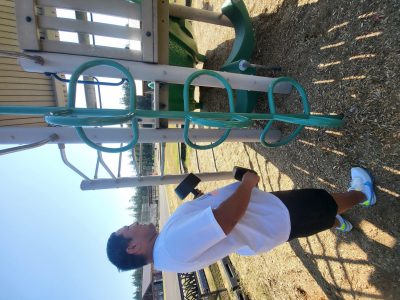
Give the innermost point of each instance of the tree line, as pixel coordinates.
(141, 193)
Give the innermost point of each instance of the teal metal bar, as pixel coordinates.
(86, 117)
(105, 120)
(71, 117)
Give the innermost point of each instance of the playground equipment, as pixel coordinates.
(149, 64)
(81, 117)
(155, 36)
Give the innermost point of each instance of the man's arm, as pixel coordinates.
(229, 212)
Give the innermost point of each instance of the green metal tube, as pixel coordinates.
(85, 117)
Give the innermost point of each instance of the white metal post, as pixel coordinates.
(149, 180)
(201, 15)
(67, 135)
(66, 64)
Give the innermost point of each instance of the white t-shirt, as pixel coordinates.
(192, 239)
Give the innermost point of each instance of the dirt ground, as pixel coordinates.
(346, 55)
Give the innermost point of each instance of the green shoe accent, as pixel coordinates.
(345, 226)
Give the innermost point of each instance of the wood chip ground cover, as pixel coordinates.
(346, 56)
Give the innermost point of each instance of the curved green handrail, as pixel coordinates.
(232, 122)
(82, 117)
(236, 121)
(306, 111)
(68, 117)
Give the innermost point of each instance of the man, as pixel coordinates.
(236, 218)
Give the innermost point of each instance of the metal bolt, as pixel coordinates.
(28, 19)
(148, 33)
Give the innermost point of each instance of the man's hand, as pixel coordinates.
(229, 212)
(250, 179)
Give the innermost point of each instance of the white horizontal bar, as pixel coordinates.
(67, 135)
(201, 15)
(123, 182)
(28, 37)
(97, 51)
(62, 63)
(119, 8)
(80, 26)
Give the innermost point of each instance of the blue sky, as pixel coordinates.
(53, 235)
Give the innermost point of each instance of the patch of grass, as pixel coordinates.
(210, 278)
(188, 160)
(172, 167)
(171, 158)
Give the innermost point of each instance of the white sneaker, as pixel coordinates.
(362, 181)
(345, 226)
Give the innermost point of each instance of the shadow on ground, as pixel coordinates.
(346, 55)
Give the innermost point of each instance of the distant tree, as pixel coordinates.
(147, 158)
(138, 200)
(137, 282)
(143, 102)
(141, 193)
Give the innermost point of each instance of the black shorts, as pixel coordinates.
(310, 210)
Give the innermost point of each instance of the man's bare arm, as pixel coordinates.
(229, 212)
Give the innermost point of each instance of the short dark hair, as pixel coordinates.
(116, 252)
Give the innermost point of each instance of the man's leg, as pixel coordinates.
(361, 191)
(344, 202)
(347, 200)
